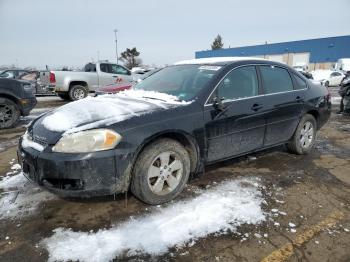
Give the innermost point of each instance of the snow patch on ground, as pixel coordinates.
(218, 210)
(92, 112)
(20, 197)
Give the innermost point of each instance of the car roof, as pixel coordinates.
(217, 60)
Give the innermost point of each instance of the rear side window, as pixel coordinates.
(275, 79)
(299, 82)
(239, 83)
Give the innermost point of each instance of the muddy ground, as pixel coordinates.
(312, 192)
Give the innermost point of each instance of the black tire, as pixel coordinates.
(9, 113)
(296, 145)
(77, 92)
(141, 184)
(64, 96)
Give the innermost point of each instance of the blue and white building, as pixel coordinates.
(321, 53)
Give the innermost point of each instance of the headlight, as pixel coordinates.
(88, 141)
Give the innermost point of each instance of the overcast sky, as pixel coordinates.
(72, 32)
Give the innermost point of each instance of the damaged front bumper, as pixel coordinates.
(79, 174)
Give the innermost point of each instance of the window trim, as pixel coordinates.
(290, 76)
(261, 87)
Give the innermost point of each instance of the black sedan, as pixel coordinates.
(150, 139)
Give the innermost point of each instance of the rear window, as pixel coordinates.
(275, 79)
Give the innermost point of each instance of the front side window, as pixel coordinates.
(183, 81)
(240, 83)
(275, 79)
(117, 69)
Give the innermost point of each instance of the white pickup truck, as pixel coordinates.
(74, 85)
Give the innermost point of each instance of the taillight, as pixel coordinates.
(52, 78)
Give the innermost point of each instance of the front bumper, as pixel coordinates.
(77, 175)
(27, 105)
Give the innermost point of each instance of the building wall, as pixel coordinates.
(323, 51)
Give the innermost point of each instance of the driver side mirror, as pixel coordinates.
(217, 103)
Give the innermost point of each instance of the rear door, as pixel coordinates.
(239, 126)
(283, 101)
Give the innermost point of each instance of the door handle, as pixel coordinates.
(299, 99)
(256, 107)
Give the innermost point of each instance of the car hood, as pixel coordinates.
(102, 111)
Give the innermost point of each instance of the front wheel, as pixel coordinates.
(77, 92)
(304, 136)
(161, 172)
(9, 113)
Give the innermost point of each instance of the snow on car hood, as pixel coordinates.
(92, 112)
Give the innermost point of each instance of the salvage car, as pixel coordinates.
(172, 124)
(16, 99)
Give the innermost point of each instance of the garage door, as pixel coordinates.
(276, 58)
(301, 59)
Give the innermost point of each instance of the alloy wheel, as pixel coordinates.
(6, 114)
(78, 94)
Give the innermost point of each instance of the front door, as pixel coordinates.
(238, 124)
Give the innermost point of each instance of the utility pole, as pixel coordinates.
(116, 43)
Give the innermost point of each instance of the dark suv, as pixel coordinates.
(172, 124)
(16, 99)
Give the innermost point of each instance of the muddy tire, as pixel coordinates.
(161, 172)
(77, 92)
(9, 113)
(304, 136)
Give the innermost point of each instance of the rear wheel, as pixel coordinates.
(77, 92)
(161, 172)
(304, 137)
(9, 113)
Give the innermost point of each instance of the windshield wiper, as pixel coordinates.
(154, 98)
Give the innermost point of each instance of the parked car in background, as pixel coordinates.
(115, 88)
(334, 79)
(13, 73)
(74, 85)
(171, 124)
(16, 99)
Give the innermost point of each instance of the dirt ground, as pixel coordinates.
(312, 192)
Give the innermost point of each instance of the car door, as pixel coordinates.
(105, 75)
(235, 115)
(283, 101)
(124, 74)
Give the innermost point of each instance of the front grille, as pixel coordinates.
(40, 140)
